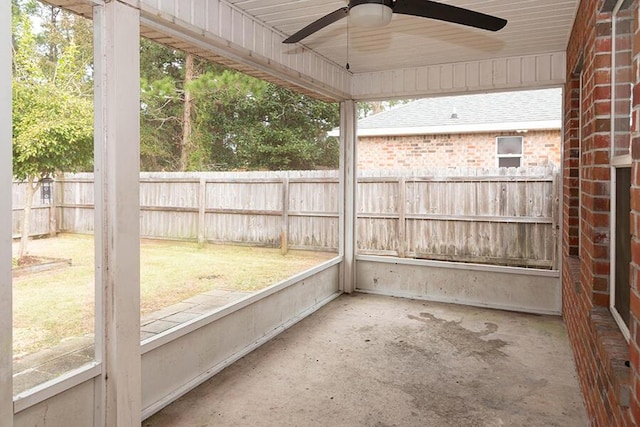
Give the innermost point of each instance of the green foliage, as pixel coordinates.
(238, 122)
(288, 131)
(52, 131)
(52, 117)
(366, 109)
(160, 125)
(222, 102)
(52, 107)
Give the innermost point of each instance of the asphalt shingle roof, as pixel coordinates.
(542, 105)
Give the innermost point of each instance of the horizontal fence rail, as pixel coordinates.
(498, 216)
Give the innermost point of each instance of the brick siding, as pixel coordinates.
(540, 148)
(634, 272)
(610, 388)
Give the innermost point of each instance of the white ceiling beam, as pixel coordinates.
(225, 30)
(514, 73)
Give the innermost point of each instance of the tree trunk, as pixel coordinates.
(376, 107)
(53, 21)
(32, 186)
(186, 118)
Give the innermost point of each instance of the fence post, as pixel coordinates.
(202, 204)
(402, 202)
(555, 220)
(284, 231)
(52, 210)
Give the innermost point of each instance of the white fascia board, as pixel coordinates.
(472, 128)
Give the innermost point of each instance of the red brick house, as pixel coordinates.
(508, 129)
(601, 233)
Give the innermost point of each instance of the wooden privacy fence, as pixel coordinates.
(296, 210)
(43, 214)
(504, 216)
(500, 216)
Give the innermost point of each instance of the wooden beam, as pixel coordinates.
(6, 184)
(117, 213)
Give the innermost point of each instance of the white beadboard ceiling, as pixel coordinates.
(410, 57)
(534, 27)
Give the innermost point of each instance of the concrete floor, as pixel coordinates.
(367, 360)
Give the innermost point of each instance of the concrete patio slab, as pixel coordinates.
(181, 317)
(366, 360)
(167, 311)
(159, 326)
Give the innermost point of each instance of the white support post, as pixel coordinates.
(348, 178)
(117, 213)
(6, 324)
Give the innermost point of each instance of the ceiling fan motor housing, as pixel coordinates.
(370, 13)
(388, 3)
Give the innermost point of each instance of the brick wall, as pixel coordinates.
(540, 148)
(634, 347)
(571, 200)
(610, 388)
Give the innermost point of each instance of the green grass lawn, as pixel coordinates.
(53, 305)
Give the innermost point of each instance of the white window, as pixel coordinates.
(509, 149)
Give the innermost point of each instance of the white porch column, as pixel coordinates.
(117, 228)
(6, 336)
(348, 153)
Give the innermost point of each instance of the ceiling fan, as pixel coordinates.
(377, 13)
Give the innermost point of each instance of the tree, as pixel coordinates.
(223, 103)
(243, 122)
(288, 130)
(366, 109)
(202, 116)
(52, 118)
(161, 112)
(186, 145)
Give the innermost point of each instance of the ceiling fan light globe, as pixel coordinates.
(370, 15)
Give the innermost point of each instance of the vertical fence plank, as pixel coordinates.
(284, 231)
(402, 207)
(202, 203)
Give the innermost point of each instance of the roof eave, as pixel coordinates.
(463, 128)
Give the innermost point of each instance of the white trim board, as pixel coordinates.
(474, 128)
(519, 290)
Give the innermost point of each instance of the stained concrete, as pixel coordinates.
(367, 360)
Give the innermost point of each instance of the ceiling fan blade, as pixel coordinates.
(318, 25)
(448, 13)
